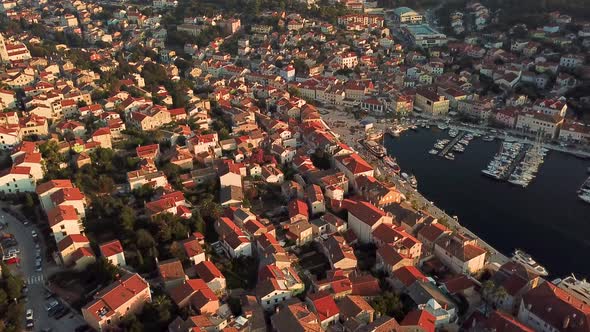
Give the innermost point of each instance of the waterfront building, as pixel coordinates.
(460, 253)
(431, 102)
(548, 308)
(538, 123)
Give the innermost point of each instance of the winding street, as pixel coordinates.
(35, 281)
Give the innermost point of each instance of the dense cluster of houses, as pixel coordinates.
(267, 94)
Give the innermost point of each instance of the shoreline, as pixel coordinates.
(495, 256)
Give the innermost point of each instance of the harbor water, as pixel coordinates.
(545, 219)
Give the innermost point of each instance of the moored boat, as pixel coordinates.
(525, 259)
(375, 148)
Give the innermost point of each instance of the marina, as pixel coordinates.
(505, 216)
(517, 163)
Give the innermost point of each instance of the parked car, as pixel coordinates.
(62, 312)
(13, 260)
(29, 314)
(56, 310)
(52, 303)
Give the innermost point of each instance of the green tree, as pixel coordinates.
(389, 304)
(127, 218)
(13, 287)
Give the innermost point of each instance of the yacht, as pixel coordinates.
(525, 259)
(375, 148)
(487, 138)
(443, 126)
(450, 156)
(576, 287)
(433, 151)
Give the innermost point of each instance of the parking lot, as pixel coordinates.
(20, 239)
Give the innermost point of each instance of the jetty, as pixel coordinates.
(452, 143)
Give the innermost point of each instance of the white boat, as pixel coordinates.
(405, 176)
(442, 126)
(576, 287)
(526, 260)
(413, 181)
(433, 151)
(450, 156)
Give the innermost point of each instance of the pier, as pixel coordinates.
(515, 163)
(449, 146)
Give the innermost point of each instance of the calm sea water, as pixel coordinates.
(546, 219)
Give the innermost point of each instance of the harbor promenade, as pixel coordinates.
(340, 123)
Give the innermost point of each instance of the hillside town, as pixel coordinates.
(185, 166)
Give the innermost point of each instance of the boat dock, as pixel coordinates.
(515, 163)
(452, 143)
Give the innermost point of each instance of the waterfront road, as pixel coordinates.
(340, 122)
(35, 280)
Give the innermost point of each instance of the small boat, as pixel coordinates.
(442, 126)
(487, 138)
(389, 161)
(450, 156)
(413, 181)
(405, 176)
(433, 151)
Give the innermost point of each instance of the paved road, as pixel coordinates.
(35, 280)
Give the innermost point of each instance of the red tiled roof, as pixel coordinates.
(364, 211)
(208, 271)
(195, 288)
(408, 275)
(71, 239)
(324, 305)
(61, 213)
(354, 163)
(171, 269)
(499, 321)
(297, 206)
(192, 247)
(81, 252)
(111, 248)
(458, 283)
(420, 318)
(116, 295)
(562, 304)
(67, 194)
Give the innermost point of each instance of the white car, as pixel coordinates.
(29, 314)
(34, 233)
